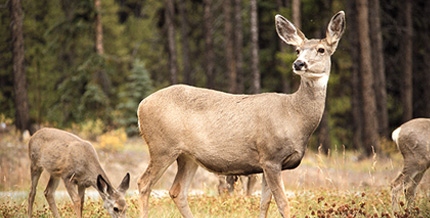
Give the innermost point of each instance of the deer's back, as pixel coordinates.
(180, 111)
(61, 153)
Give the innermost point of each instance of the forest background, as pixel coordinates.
(76, 62)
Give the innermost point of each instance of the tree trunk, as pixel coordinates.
(295, 12)
(324, 140)
(426, 74)
(228, 46)
(284, 71)
(238, 46)
(169, 16)
(209, 50)
(254, 48)
(370, 133)
(295, 7)
(99, 28)
(378, 66)
(185, 44)
(100, 75)
(406, 50)
(22, 116)
(356, 99)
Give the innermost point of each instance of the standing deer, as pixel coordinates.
(238, 134)
(74, 160)
(413, 141)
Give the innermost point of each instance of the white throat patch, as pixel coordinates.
(321, 81)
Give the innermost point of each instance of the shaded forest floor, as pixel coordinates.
(340, 173)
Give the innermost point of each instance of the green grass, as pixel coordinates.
(306, 203)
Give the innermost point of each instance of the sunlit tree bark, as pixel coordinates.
(370, 129)
(228, 46)
(406, 50)
(22, 116)
(169, 16)
(209, 49)
(185, 44)
(256, 86)
(238, 45)
(378, 66)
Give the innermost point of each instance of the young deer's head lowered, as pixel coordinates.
(67, 157)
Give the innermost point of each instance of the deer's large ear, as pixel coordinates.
(125, 184)
(288, 32)
(335, 29)
(103, 186)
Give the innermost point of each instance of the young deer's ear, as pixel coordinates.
(288, 32)
(103, 186)
(335, 29)
(125, 184)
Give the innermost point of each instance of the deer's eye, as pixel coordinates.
(298, 51)
(116, 209)
(321, 50)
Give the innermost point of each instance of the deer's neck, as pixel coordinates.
(98, 170)
(309, 102)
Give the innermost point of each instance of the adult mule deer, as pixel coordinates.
(75, 161)
(413, 141)
(238, 134)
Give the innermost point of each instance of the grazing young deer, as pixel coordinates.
(65, 156)
(238, 134)
(413, 141)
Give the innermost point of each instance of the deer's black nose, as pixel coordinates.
(298, 65)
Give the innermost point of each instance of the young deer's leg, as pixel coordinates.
(178, 192)
(71, 189)
(157, 166)
(272, 174)
(49, 194)
(252, 180)
(222, 184)
(231, 180)
(35, 175)
(266, 197)
(81, 193)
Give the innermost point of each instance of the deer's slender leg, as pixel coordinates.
(396, 187)
(222, 184)
(178, 192)
(407, 181)
(231, 180)
(266, 197)
(71, 189)
(49, 194)
(272, 174)
(157, 166)
(35, 175)
(411, 187)
(81, 193)
(252, 180)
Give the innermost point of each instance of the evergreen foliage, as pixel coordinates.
(68, 82)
